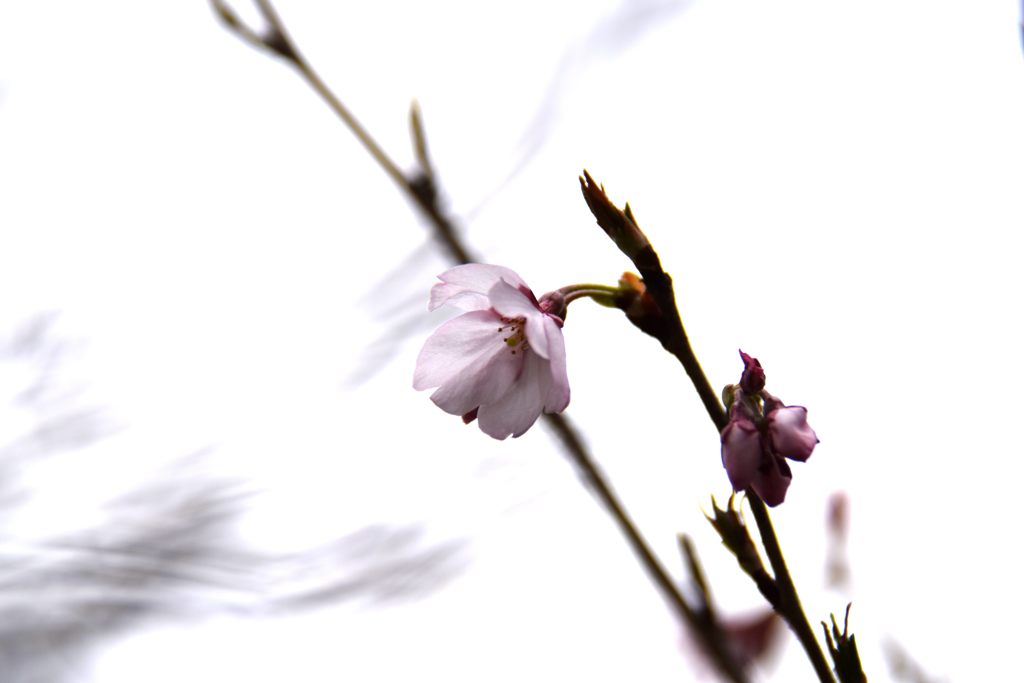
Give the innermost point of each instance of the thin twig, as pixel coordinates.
(277, 41)
(706, 629)
(621, 226)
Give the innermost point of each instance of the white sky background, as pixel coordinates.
(835, 188)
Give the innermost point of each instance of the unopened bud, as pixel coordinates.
(553, 303)
(753, 378)
(639, 306)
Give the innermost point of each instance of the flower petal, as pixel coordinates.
(772, 482)
(791, 436)
(466, 286)
(557, 395)
(517, 410)
(458, 356)
(483, 381)
(513, 302)
(741, 451)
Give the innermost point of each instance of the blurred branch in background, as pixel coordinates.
(167, 550)
(421, 187)
(612, 35)
(904, 668)
(54, 413)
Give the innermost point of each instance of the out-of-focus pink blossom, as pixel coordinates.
(752, 639)
(837, 518)
(501, 362)
(761, 433)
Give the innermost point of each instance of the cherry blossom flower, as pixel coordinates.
(761, 434)
(502, 362)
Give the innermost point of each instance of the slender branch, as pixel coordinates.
(705, 628)
(793, 610)
(620, 225)
(277, 41)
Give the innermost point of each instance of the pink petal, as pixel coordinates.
(466, 286)
(557, 395)
(542, 332)
(467, 358)
(516, 411)
(512, 302)
(484, 382)
(452, 346)
(741, 451)
(772, 483)
(791, 436)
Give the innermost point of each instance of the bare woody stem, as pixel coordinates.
(421, 190)
(621, 227)
(790, 599)
(707, 630)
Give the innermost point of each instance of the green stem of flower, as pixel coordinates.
(602, 294)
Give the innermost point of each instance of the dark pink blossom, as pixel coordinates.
(761, 434)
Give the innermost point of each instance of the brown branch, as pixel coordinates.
(621, 226)
(421, 190)
(665, 324)
(792, 610)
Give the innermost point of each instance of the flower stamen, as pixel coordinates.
(516, 337)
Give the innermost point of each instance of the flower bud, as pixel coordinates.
(553, 304)
(752, 380)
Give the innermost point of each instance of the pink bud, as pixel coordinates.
(752, 380)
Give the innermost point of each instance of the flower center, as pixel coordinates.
(513, 334)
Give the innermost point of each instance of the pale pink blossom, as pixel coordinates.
(501, 362)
